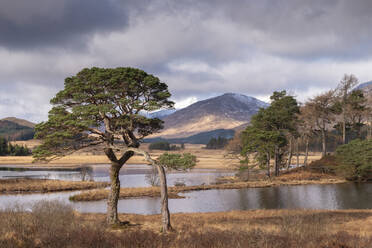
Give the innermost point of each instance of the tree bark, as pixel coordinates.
(268, 165)
(324, 141)
(113, 198)
(276, 161)
(297, 153)
(166, 225)
(343, 129)
(112, 202)
(369, 130)
(290, 153)
(306, 151)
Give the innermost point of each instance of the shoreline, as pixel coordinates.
(173, 191)
(31, 186)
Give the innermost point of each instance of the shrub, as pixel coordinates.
(355, 160)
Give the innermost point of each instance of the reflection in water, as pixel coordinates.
(336, 196)
(130, 175)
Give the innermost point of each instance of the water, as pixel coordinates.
(130, 175)
(333, 196)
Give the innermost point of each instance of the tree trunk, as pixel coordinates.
(166, 225)
(306, 151)
(276, 161)
(112, 202)
(268, 165)
(369, 130)
(343, 130)
(290, 153)
(297, 153)
(324, 141)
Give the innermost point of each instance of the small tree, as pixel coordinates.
(306, 127)
(270, 127)
(343, 92)
(103, 106)
(322, 109)
(169, 161)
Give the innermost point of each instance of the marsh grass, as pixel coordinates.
(54, 224)
(9, 186)
(287, 179)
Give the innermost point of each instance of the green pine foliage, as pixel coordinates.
(266, 136)
(97, 97)
(7, 149)
(218, 143)
(355, 160)
(177, 161)
(165, 146)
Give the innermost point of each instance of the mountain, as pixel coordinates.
(200, 138)
(16, 129)
(227, 111)
(20, 122)
(367, 87)
(161, 114)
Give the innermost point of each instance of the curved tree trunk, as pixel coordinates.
(166, 225)
(113, 198)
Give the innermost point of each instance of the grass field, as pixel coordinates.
(51, 224)
(208, 159)
(9, 186)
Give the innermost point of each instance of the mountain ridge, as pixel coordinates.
(226, 111)
(13, 128)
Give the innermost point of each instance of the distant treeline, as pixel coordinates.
(165, 146)
(7, 149)
(217, 143)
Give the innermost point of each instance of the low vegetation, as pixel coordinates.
(48, 224)
(43, 185)
(355, 160)
(285, 179)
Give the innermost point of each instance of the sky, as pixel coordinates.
(199, 48)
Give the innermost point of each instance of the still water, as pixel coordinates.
(130, 175)
(336, 196)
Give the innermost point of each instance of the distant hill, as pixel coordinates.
(161, 114)
(365, 86)
(16, 129)
(200, 138)
(227, 111)
(20, 122)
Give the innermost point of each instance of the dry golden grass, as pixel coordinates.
(206, 158)
(100, 194)
(356, 222)
(288, 179)
(48, 224)
(42, 185)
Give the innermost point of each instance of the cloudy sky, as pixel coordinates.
(199, 48)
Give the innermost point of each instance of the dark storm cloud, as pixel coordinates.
(64, 23)
(199, 48)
